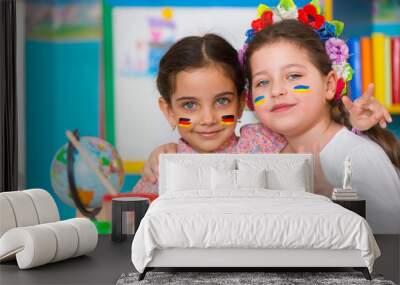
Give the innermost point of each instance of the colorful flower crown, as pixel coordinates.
(328, 33)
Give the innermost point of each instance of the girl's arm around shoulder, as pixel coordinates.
(147, 187)
(256, 138)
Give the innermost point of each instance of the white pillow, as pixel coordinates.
(235, 179)
(183, 177)
(291, 178)
(223, 179)
(251, 178)
(282, 174)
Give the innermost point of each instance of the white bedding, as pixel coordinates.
(251, 218)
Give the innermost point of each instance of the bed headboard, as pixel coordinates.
(285, 165)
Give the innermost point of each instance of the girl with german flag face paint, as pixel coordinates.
(201, 91)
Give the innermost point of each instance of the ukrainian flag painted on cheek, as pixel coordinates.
(302, 89)
(259, 100)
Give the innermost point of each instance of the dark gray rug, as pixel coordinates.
(243, 278)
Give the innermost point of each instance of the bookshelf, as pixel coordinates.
(373, 36)
(394, 109)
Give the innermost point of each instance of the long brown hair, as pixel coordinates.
(306, 38)
(197, 52)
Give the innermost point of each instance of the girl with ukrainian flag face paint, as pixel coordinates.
(290, 95)
(201, 95)
(298, 73)
(297, 68)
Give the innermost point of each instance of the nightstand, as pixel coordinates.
(357, 206)
(127, 213)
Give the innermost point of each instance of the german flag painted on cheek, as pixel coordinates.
(228, 120)
(184, 123)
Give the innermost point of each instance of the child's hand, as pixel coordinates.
(150, 168)
(366, 111)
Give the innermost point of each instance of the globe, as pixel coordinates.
(89, 187)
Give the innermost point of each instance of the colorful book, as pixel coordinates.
(378, 55)
(366, 62)
(395, 65)
(344, 198)
(345, 195)
(355, 63)
(388, 72)
(328, 9)
(344, 191)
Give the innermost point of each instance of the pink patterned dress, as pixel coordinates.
(254, 138)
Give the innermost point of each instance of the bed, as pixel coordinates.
(242, 211)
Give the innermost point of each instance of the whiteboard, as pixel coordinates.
(141, 35)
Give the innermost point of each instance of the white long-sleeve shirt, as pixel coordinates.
(374, 176)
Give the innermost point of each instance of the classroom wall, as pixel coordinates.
(356, 15)
(62, 89)
(62, 82)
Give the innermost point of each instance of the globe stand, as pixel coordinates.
(91, 214)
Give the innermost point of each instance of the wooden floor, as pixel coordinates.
(102, 266)
(389, 262)
(106, 264)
